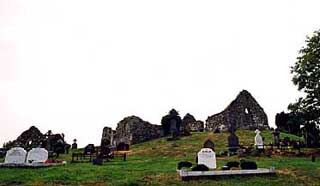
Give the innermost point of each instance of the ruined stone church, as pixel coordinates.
(243, 113)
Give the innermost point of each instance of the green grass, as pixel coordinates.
(154, 163)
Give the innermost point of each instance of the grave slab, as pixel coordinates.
(194, 175)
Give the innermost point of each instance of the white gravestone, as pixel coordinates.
(16, 155)
(37, 155)
(207, 157)
(258, 142)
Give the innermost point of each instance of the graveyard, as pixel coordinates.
(155, 163)
(233, 147)
(159, 93)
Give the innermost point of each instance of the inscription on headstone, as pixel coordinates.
(207, 157)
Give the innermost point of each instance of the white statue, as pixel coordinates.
(258, 141)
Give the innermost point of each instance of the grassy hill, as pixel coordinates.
(154, 163)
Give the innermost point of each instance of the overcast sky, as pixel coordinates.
(77, 66)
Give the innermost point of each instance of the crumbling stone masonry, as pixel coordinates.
(243, 113)
(191, 124)
(132, 130)
(107, 136)
(196, 126)
(30, 138)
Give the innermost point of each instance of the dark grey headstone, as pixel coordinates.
(276, 137)
(97, 161)
(173, 129)
(233, 142)
(90, 149)
(173, 125)
(208, 144)
(123, 146)
(74, 146)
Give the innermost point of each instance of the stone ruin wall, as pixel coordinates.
(243, 113)
(217, 121)
(192, 124)
(33, 138)
(132, 130)
(196, 126)
(107, 136)
(28, 139)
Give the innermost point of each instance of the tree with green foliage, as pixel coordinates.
(289, 122)
(306, 75)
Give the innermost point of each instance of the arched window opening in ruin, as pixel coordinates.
(246, 110)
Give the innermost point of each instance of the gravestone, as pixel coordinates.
(2, 152)
(104, 151)
(207, 157)
(97, 161)
(286, 141)
(258, 141)
(74, 144)
(123, 146)
(173, 128)
(276, 137)
(90, 149)
(233, 142)
(208, 144)
(16, 155)
(37, 155)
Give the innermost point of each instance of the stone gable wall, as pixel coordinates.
(243, 113)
